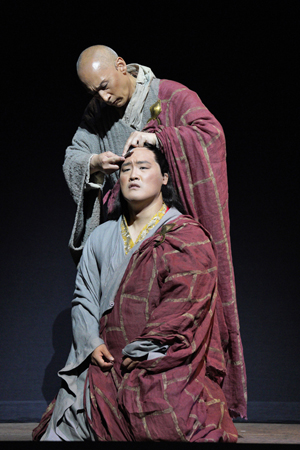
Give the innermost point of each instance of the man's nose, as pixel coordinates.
(105, 96)
(134, 174)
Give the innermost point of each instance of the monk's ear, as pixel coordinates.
(121, 65)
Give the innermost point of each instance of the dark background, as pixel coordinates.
(241, 59)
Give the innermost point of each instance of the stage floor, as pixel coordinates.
(249, 433)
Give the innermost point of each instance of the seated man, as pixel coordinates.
(146, 361)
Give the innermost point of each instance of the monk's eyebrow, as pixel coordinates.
(101, 86)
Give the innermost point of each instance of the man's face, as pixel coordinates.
(111, 83)
(141, 178)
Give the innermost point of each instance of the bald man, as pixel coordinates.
(130, 106)
(122, 96)
(95, 67)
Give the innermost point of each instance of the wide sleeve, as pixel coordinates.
(85, 143)
(85, 305)
(144, 348)
(194, 144)
(84, 187)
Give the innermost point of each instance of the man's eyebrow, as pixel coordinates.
(101, 85)
(138, 162)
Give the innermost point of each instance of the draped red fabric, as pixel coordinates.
(194, 144)
(168, 294)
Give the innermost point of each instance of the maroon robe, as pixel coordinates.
(169, 294)
(194, 144)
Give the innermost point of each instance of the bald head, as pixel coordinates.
(95, 57)
(104, 74)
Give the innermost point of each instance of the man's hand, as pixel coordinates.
(138, 139)
(107, 162)
(129, 364)
(102, 358)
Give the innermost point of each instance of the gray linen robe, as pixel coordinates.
(103, 129)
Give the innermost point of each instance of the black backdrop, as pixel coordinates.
(241, 59)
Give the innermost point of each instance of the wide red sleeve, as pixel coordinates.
(194, 145)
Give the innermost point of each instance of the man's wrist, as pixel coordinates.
(94, 164)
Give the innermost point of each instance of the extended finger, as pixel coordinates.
(138, 140)
(129, 364)
(107, 356)
(126, 362)
(116, 161)
(132, 365)
(131, 141)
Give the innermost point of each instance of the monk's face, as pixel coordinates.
(141, 179)
(111, 83)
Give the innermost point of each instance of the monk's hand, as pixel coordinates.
(102, 358)
(138, 139)
(107, 162)
(129, 364)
